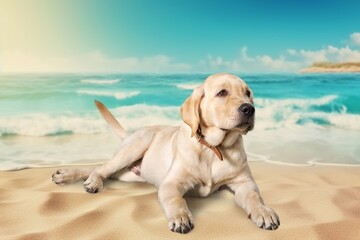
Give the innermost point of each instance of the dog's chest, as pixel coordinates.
(213, 173)
(202, 190)
(213, 177)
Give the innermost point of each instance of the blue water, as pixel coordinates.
(320, 110)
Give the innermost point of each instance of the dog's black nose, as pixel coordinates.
(247, 109)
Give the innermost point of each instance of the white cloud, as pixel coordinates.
(355, 38)
(291, 51)
(217, 63)
(246, 63)
(245, 55)
(96, 61)
(291, 61)
(280, 64)
(328, 54)
(308, 56)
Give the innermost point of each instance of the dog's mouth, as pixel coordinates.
(243, 126)
(246, 125)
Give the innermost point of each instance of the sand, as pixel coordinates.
(352, 69)
(314, 202)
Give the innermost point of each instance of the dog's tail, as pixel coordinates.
(111, 120)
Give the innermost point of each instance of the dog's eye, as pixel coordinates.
(248, 93)
(222, 93)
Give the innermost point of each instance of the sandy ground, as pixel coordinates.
(330, 70)
(314, 202)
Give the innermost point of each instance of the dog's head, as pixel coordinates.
(223, 101)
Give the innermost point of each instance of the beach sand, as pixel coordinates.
(314, 202)
(330, 70)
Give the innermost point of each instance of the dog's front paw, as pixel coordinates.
(181, 222)
(64, 176)
(264, 217)
(93, 184)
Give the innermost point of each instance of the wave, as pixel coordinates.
(117, 95)
(139, 115)
(304, 103)
(280, 113)
(188, 86)
(270, 115)
(131, 117)
(278, 135)
(44, 125)
(100, 81)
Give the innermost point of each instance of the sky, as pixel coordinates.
(162, 36)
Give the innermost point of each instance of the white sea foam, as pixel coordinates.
(347, 121)
(42, 124)
(273, 139)
(28, 152)
(117, 95)
(188, 86)
(100, 81)
(139, 115)
(294, 102)
(290, 113)
(270, 115)
(132, 117)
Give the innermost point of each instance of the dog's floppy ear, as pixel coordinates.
(190, 109)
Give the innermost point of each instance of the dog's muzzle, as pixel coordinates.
(247, 118)
(247, 109)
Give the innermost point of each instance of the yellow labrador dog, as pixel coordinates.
(195, 159)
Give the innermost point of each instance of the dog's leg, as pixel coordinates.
(170, 194)
(131, 150)
(71, 175)
(248, 197)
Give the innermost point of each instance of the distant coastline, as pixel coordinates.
(347, 67)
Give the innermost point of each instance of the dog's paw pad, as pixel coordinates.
(93, 185)
(266, 218)
(63, 176)
(181, 223)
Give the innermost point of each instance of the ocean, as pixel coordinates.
(51, 119)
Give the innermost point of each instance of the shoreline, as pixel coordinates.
(317, 202)
(270, 162)
(260, 147)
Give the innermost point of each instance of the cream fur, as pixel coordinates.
(175, 162)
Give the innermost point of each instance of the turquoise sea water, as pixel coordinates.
(51, 119)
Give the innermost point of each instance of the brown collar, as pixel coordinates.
(201, 139)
